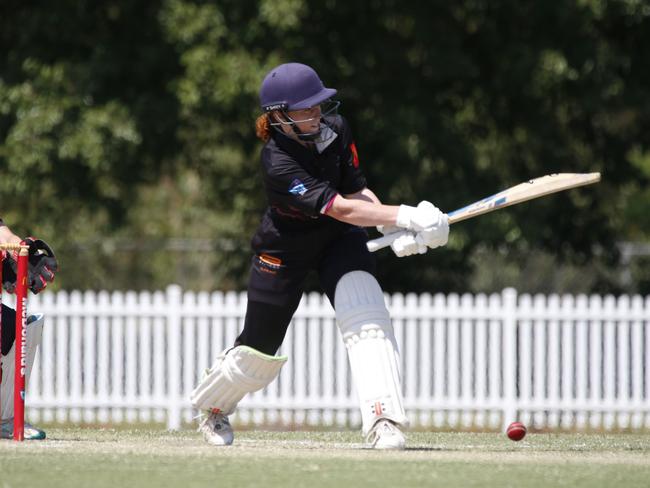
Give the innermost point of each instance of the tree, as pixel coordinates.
(127, 128)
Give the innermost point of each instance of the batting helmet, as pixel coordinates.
(292, 86)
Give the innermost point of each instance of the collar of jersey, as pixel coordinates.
(328, 136)
(290, 143)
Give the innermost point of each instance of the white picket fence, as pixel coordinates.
(467, 361)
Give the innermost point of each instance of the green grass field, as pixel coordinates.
(150, 458)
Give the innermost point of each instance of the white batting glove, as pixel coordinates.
(408, 245)
(431, 224)
(388, 229)
(436, 235)
(424, 216)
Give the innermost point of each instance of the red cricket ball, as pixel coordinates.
(516, 431)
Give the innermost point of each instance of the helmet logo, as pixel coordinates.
(275, 106)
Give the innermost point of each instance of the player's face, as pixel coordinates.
(307, 120)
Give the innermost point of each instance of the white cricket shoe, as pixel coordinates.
(216, 429)
(386, 435)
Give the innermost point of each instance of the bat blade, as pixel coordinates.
(535, 188)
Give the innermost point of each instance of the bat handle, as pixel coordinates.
(383, 241)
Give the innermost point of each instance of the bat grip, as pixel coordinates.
(383, 241)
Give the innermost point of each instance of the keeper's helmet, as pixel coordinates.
(295, 86)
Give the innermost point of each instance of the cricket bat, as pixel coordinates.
(535, 188)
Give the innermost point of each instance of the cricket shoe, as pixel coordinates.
(385, 435)
(216, 429)
(31, 432)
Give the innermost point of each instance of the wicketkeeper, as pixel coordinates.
(42, 268)
(319, 203)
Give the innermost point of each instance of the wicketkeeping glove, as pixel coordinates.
(42, 266)
(8, 273)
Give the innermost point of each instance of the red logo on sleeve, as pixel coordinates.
(355, 155)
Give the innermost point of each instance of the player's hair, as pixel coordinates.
(263, 127)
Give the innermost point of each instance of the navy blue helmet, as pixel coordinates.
(293, 86)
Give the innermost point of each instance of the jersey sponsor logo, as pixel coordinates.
(269, 264)
(297, 187)
(355, 155)
(270, 260)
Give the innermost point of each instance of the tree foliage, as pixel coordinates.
(127, 129)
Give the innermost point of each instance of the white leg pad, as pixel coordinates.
(374, 359)
(33, 335)
(235, 373)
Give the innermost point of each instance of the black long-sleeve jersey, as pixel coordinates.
(301, 183)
